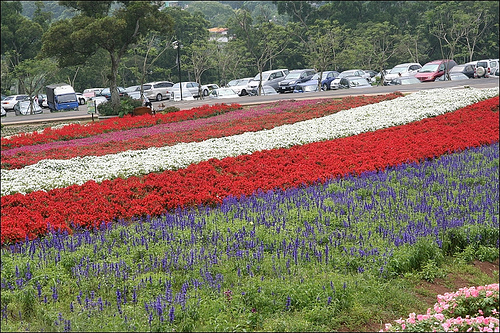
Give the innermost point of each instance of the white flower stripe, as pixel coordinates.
(49, 174)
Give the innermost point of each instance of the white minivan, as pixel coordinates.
(270, 78)
(406, 69)
(157, 91)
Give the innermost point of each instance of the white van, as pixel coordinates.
(157, 91)
(270, 78)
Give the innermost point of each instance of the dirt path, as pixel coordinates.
(428, 292)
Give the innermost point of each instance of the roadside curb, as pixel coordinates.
(44, 121)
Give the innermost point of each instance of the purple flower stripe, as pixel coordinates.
(188, 125)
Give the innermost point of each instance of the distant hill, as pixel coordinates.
(58, 12)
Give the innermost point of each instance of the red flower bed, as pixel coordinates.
(74, 131)
(228, 128)
(209, 182)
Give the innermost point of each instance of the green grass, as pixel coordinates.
(234, 268)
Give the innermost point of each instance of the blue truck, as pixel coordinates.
(61, 97)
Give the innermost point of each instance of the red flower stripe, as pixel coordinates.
(73, 131)
(210, 181)
(24, 158)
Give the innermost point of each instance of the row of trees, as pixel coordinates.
(122, 43)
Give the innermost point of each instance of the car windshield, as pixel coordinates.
(133, 88)
(244, 82)
(293, 75)
(397, 70)
(358, 82)
(346, 73)
(316, 76)
(268, 90)
(8, 98)
(457, 69)
(66, 98)
(429, 68)
(264, 76)
(233, 83)
(226, 92)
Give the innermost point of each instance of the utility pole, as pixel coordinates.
(177, 45)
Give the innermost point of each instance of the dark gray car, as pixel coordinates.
(293, 78)
(270, 78)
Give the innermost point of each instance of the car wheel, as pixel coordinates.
(243, 92)
(480, 71)
(205, 92)
(325, 87)
(81, 101)
(158, 97)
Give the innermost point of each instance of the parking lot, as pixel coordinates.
(47, 116)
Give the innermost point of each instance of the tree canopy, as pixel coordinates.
(110, 43)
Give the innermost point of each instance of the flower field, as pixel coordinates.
(273, 217)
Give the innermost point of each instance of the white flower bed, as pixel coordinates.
(49, 174)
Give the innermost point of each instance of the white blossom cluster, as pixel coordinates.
(49, 174)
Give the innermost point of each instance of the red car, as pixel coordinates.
(434, 69)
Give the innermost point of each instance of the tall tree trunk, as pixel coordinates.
(115, 98)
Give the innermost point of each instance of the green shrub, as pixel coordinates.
(430, 271)
(105, 109)
(127, 105)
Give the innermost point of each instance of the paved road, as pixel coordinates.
(47, 116)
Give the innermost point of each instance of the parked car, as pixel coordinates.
(9, 101)
(327, 78)
(404, 80)
(206, 89)
(306, 87)
(157, 90)
(133, 92)
(486, 67)
(434, 69)
(454, 77)
(371, 72)
(220, 93)
(24, 108)
(354, 72)
(42, 101)
(293, 78)
(190, 90)
(132, 89)
(351, 82)
(232, 83)
(107, 93)
(98, 100)
(268, 90)
(467, 69)
(82, 100)
(91, 92)
(269, 78)
(240, 86)
(406, 69)
(4, 113)
(312, 84)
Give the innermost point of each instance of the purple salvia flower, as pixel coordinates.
(288, 302)
(171, 314)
